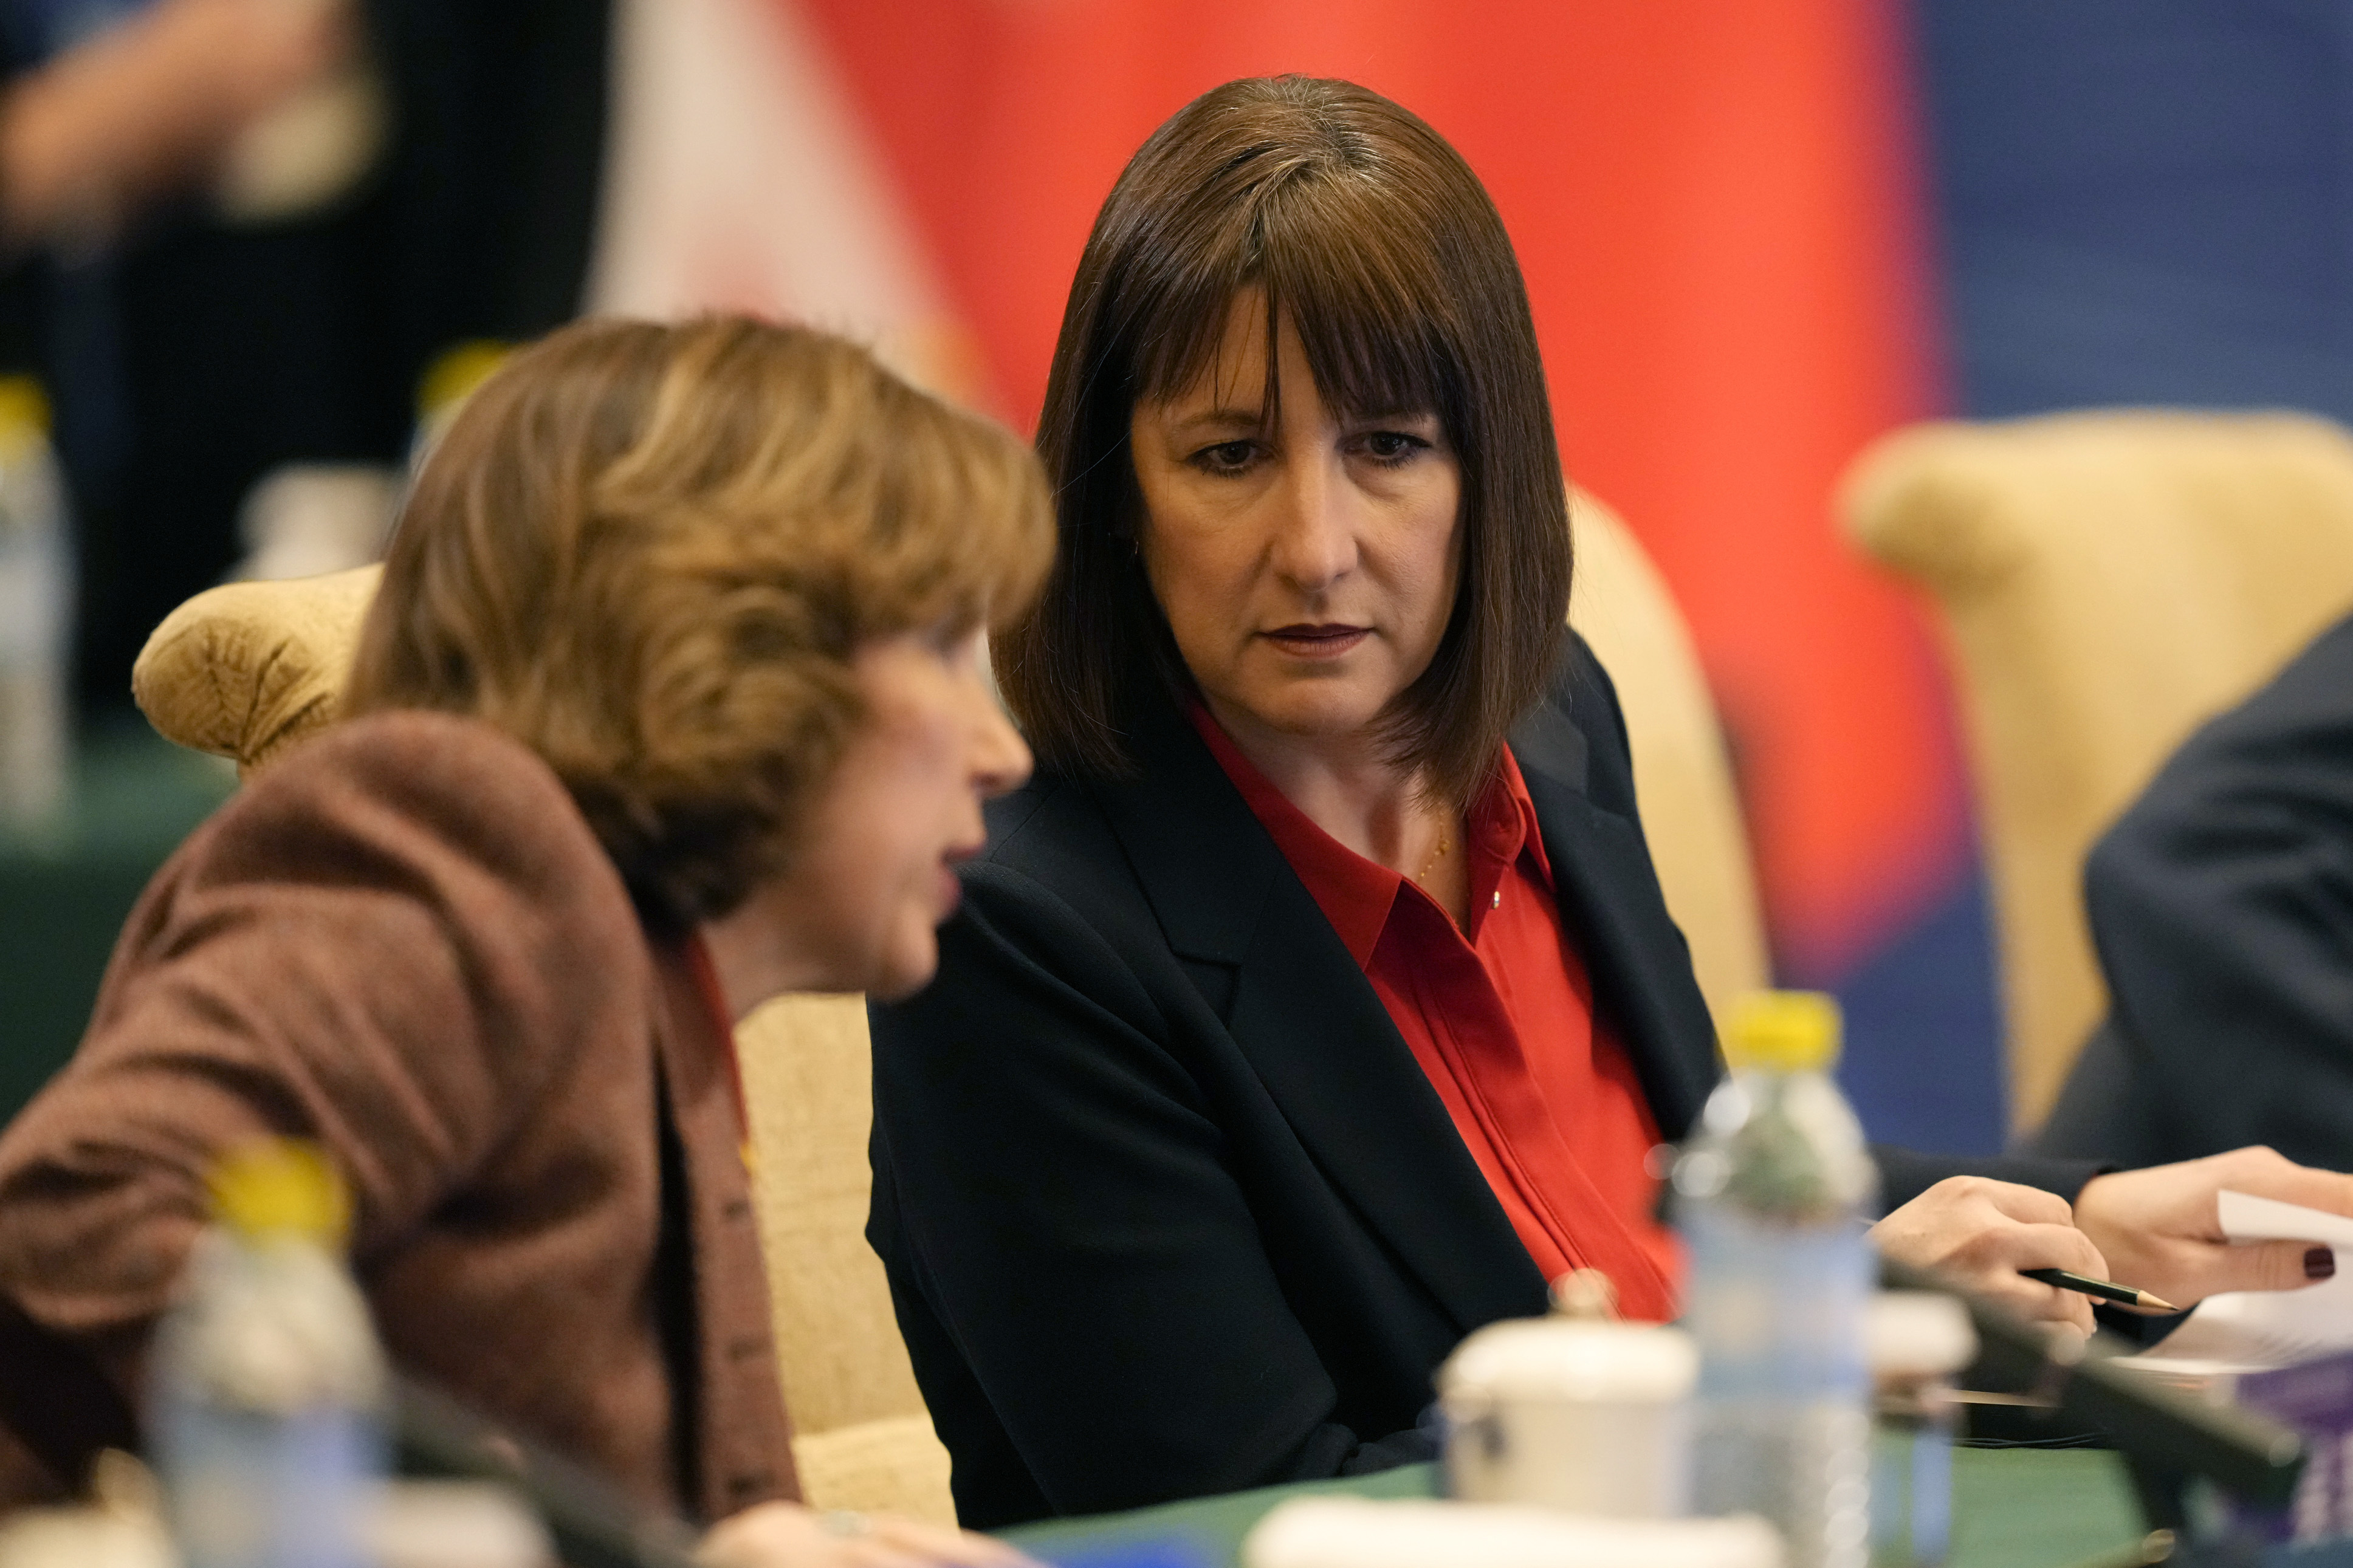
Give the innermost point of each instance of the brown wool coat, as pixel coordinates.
(402, 941)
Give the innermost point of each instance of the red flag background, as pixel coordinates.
(1716, 205)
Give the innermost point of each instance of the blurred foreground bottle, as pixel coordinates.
(36, 613)
(269, 1381)
(1920, 1344)
(1770, 1195)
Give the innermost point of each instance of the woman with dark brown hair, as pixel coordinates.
(1317, 1003)
(670, 700)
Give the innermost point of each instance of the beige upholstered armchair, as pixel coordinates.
(1690, 813)
(2106, 581)
(246, 670)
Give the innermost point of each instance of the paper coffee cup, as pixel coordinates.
(1590, 1417)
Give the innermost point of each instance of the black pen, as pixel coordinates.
(2100, 1288)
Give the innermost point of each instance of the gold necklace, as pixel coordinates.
(1435, 856)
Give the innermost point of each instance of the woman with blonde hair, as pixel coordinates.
(671, 701)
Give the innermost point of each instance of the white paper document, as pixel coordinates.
(2256, 1330)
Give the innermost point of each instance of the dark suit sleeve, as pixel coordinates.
(2108, 1107)
(1087, 1296)
(1906, 1173)
(2222, 905)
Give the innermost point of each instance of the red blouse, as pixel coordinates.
(1501, 1017)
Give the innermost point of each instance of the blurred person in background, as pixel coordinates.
(242, 232)
(114, 117)
(1317, 1003)
(671, 701)
(2221, 904)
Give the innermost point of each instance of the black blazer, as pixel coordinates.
(2221, 904)
(1169, 1208)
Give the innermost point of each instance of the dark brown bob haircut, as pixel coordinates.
(1372, 237)
(651, 553)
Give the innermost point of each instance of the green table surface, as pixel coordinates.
(2012, 1507)
(65, 889)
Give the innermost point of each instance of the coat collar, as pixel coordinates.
(1313, 1028)
(1315, 1032)
(1609, 896)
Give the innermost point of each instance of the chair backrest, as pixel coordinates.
(862, 1436)
(2106, 581)
(245, 669)
(1690, 812)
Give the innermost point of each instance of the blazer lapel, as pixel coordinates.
(1310, 1025)
(1609, 897)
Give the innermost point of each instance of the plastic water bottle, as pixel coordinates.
(1770, 1195)
(35, 615)
(269, 1384)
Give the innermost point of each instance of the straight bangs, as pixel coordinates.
(1364, 293)
(1339, 212)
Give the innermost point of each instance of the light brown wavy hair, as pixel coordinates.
(1369, 234)
(649, 552)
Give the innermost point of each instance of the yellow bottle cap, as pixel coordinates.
(24, 416)
(454, 374)
(277, 1185)
(23, 404)
(1783, 1031)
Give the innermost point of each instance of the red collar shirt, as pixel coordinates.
(1500, 1016)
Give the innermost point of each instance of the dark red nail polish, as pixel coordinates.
(2320, 1263)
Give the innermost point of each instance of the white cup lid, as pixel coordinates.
(454, 1524)
(1356, 1533)
(1559, 1358)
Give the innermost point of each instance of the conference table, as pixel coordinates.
(2012, 1507)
